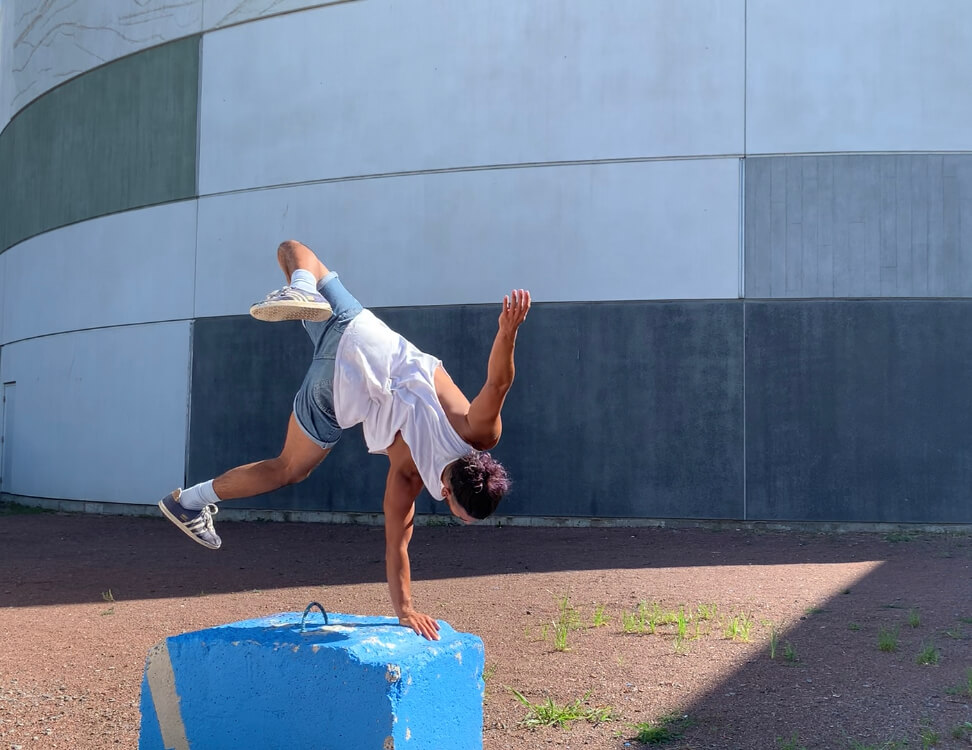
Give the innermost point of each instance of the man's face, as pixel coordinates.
(457, 510)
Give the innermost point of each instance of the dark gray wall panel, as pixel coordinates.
(619, 409)
(119, 137)
(872, 225)
(859, 410)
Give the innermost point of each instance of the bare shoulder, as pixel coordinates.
(400, 458)
(403, 474)
(453, 402)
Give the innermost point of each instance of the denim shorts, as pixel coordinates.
(314, 402)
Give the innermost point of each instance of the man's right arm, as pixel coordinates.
(483, 418)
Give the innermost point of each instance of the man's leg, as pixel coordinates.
(299, 457)
(299, 300)
(193, 509)
(292, 255)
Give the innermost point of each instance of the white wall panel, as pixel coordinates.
(869, 75)
(55, 40)
(100, 415)
(647, 230)
(46, 42)
(6, 66)
(131, 267)
(217, 13)
(382, 86)
(4, 293)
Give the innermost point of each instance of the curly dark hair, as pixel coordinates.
(478, 483)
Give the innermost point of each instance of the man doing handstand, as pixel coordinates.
(408, 406)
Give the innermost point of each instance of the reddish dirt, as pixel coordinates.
(72, 654)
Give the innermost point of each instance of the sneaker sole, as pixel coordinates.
(273, 312)
(183, 529)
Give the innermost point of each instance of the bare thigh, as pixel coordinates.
(300, 455)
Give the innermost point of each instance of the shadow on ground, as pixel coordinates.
(838, 689)
(62, 558)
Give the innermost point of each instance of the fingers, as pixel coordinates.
(517, 303)
(423, 625)
(427, 628)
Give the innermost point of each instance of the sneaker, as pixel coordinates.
(291, 303)
(196, 523)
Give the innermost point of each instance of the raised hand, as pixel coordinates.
(516, 305)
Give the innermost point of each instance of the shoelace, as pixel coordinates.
(288, 292)
(204, 521)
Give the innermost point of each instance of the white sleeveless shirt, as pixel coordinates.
(383, 382)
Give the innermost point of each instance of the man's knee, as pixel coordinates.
(291, 473)
(288, 248)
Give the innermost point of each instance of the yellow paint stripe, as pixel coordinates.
(161, 681)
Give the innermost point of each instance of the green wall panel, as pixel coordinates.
(121, 136)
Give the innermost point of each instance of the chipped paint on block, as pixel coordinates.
(361, 682)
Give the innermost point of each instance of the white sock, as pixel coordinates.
(304, 280)
(198, 496)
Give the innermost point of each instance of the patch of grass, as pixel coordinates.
(928, 654)
(681, 624)
(914, 617)
(737, 628)
(107, 596)
(853, 626)
(929, 738)
(567, 619)
(437, 519)
(791, 744)
(774, 642)
(966, 620)
(599, 618)
(814, 610)
(16, 509)
(109, 611)
(899, 536)
(888, 640)
(790, 653)
(648, 616)
(644, 619)
(549, 714)
(706, 611)
(662, 730)
(963, 731)
(488, 671)
(965, 688)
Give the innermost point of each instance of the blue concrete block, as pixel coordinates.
(357, 682)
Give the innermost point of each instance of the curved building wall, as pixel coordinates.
(700, 196)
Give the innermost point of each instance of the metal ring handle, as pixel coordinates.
(303, 620)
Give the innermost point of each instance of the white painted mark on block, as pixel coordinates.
(161, 681)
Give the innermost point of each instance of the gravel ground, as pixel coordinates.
(779, 649)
